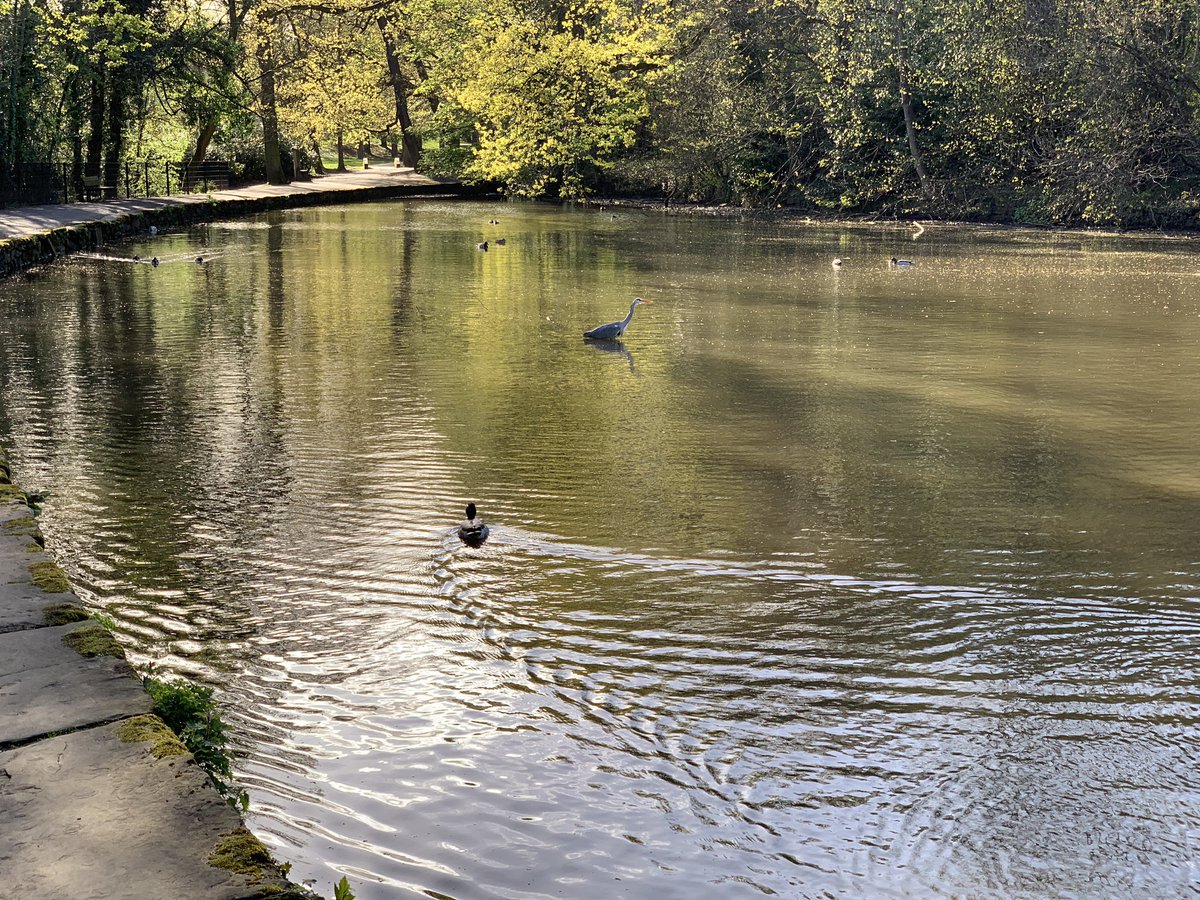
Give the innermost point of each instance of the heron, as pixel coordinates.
(901, 262)
(613, 330)
(472, 532)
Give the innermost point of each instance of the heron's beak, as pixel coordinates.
(647, 301)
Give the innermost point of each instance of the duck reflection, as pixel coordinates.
(612, 347)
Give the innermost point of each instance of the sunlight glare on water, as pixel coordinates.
(858, 581)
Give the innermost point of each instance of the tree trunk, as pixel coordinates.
(423, 74)
(906, 101)
(115, 148)
(207, 131)
(269, 114)
(318, 164)
(410, 143)
(341, 152)
(75, 132)
(910, 130)
(95, 141)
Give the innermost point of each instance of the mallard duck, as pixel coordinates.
(614, 330)
(154, 262)
(482, 246)
(472, 532)
(901, 262)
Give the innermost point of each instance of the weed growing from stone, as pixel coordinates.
(189, 711)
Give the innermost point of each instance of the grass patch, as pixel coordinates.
(163, 742)
(92, 641)
(50, 578)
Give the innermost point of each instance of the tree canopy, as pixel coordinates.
(1078, 111)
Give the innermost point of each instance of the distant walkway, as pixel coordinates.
(38, 234)
(22, 222)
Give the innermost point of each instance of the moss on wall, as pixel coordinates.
(64, 614)
(49, 577)
(92, 641)
(163, 742)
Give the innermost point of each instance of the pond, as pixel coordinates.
(868, 581)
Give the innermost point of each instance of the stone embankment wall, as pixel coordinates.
(98, 798)
(122, 219)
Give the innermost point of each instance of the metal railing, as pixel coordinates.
(41, 183)
(210, 175)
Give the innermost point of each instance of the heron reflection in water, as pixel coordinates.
(612, 347)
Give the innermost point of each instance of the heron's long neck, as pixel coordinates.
(629, 318)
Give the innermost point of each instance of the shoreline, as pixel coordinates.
(34, 236)
(98, 797)
(792, 216)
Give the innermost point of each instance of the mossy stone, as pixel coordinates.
(241, 852)
(50, 578)
(64, 614)
(26, 526)
(163, 742)
(10, 493)
(92, 641)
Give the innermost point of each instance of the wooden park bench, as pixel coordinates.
(91, 187)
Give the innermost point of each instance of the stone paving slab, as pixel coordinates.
(47, 687)
(22, 603)
(86, 815)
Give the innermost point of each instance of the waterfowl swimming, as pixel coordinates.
(482, 246)
(154, 262)
(472, 532)
(614, 330)
(137, 259)
(200, 260)
(901, 262)
(153, 230)
(500, 242)
(493, 222)
(837, 262)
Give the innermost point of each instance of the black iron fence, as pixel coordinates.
(210, 175)
(40, 183)
(31, 184)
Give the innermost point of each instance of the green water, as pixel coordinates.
(860, 581)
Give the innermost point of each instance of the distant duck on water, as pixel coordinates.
(901, 262)
(473, 532)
